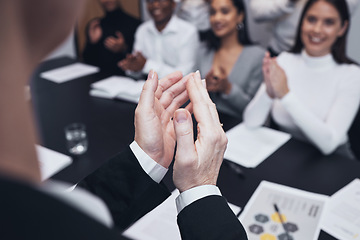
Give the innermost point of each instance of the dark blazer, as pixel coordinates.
(97, 54)
(27, 213)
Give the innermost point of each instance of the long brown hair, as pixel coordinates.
(338, 49)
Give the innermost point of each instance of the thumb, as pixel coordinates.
(118, 34)
(184, 134)
(147, 95)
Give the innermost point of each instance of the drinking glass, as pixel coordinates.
(76, 139)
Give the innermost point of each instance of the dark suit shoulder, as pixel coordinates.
(28, 213)
(128, 191)
(210, 218)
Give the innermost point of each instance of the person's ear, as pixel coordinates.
(240, 18)
(343, 29)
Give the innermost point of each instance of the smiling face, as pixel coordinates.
(161, 11)
(320, 28)
(224, 17)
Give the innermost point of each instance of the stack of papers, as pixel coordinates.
(249, 147)
(51, 162)
(161, 223)
(69, 72)
(342, 216)
(301, 213)
(118, 87)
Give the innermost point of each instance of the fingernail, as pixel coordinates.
(203, 81)
(151, 74)
(197, 74)
(181, 117)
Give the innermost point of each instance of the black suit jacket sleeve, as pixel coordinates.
(128, 191)
(210, 218)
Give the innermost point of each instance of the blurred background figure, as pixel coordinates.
(197, 13)
(165, 43)
(110, 38)
(313, 91)
(285, 15)
(231, 64)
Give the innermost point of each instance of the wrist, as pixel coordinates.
(194, 194)
(283, 93)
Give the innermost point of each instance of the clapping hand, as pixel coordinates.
(94, 31)
(217, 81)
(274, 77)
(154, 129)
(116, 44)
(133, 62)
(198, 163)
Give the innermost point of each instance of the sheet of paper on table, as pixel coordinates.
(69, 72)
(124, 88)
(160, 223)
(342, 215)
(301, 212)
(249, 147)
(51, 162)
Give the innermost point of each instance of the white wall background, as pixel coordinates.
(65, 49)
(353, 50)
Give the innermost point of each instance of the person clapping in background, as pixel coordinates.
(313, 91)
(228, 60)
(165, 44)
(110, 38)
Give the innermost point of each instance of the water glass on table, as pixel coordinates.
(76, 138)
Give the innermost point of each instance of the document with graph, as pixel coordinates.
(297, 214)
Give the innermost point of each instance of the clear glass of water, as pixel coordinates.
(76, 138)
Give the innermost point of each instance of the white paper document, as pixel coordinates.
(342, 215)
(118, 87)
(301, 213)
(160, 223)
(249, 147)
(51, 162)
(69, 72)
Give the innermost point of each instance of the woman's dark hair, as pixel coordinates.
(338, 49)
(213, 42)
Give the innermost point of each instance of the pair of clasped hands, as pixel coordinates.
(160, 123)
(274, 77)
(114, 44)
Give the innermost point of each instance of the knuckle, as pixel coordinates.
(138, 110)
(224, 139)
(213, 138)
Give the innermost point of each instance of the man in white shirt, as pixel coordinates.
(165, 44)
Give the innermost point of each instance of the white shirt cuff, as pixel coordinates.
(194, 194)
(150, 166)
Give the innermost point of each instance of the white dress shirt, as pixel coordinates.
(172, 49)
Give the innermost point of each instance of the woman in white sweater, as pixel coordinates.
(313, 92)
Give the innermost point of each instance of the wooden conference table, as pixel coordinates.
(110, 129)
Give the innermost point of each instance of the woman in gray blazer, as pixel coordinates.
(232, 65)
